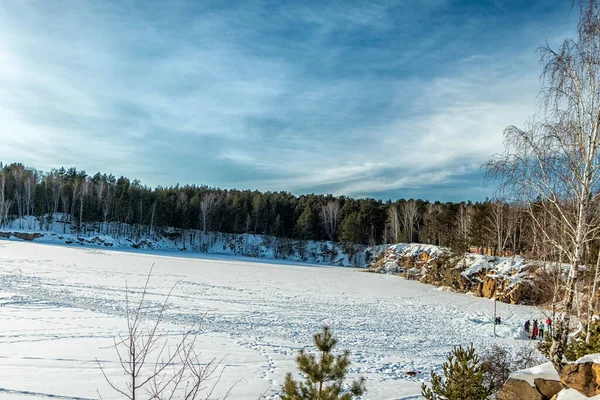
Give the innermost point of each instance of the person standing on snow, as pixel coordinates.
(549, 325)
(541, 330)
(534, 331)
(527, 323)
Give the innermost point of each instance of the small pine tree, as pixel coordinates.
(463, 379)
(579, 346)
(324, 377)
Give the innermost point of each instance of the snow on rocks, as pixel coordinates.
(572, 394)
(57, 229)
(540, 382)
(408, 257)
(545, 371)
(590, 358)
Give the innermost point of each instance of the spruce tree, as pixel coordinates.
(324, 377)
(463, 378)
(581, 345)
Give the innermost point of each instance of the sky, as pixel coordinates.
(384, 99)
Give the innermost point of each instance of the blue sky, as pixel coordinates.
(383, 99)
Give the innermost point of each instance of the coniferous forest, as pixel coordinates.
(110, 201)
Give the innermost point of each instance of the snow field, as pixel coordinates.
(61, 307)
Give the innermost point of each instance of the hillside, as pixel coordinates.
(123, 236)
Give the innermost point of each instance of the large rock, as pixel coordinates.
(583, 377)
(548, 388)
(516, 389)
(540, 382)
(21, 235)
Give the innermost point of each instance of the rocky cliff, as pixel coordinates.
(509, 279)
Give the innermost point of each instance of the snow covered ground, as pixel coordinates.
(61, 307)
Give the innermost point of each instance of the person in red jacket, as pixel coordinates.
(549, 325)
(534, 331)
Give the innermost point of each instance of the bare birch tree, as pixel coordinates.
(154, 369)
(409, 212)
(393, 223)
(465, 219)
(497, 224)
(19, 176)
(330, 217)
(554, 164)
(207, 205)
(84, 186)
(5, 204)
(31, 179)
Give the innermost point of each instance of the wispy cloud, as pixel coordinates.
(367, 99)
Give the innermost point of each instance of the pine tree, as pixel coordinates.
(324, 377)
(463, 378)
(581, 345)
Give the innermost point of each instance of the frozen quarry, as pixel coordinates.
(61, 308)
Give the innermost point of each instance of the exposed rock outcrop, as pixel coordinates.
(509, 279)
(20, 235)
(540, 383)
(577, 380)
(515, 389)
(583, 377)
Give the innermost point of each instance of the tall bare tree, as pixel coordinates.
(31, 180)
(207, 205)
(464, 221)
(393, 223)
(497, 221)
(330, 217)
(84, 186)
(19, 177)
(410, 214)
(554, 164)
(5, 204)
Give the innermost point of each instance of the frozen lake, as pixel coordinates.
(61, 307)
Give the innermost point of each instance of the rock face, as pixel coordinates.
(548, 388)
(541, 382)
(583, 377)
(516, 389)
(21, 235)
(508, 279)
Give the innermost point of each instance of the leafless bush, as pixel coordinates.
(499, 363)
(153, 368)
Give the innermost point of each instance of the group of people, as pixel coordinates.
(535, 330)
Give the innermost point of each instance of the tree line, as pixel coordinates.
(122, 207)
(77, 199)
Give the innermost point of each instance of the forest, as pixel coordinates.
(110, 201)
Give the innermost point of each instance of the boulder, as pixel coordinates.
(540, 382)
(583, 377)
(516, 389)
(548, 388)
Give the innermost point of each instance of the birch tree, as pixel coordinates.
(5, 204)
(409, 212)
(31, 179)
(393, 223)
(330, 217)
(554, 163)
(465, 219)
(207, 205)
(19, 176)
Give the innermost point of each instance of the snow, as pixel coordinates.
(62, 306)
(544, 371)
(589, 358)
(416, 249)
(572, 394)
(56, 229)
